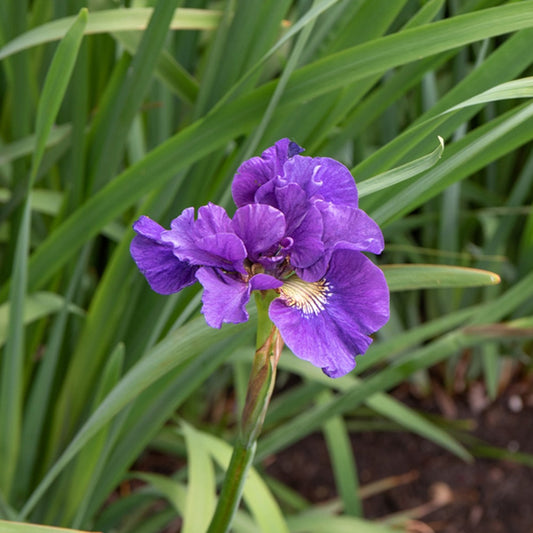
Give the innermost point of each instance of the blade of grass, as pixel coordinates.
(409, 277)
(41, 392)
(86, 464)
(36, 305)
(238, 116)
(176, 349)
(473, 151)
(342, 462)
(109, 21)
(19, 527)
(385, 405)
(200, 502)
(167, 68)
(12, 385)
(506, 62)
(402, 173)
(153, 408)
(16, 149)
(109, 148)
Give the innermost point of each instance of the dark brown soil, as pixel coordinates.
(447, 494)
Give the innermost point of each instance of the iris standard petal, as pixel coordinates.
(260, 227)
(155, 259)
(321, 178)
(304, 225)
(347, 227)
(207, 241)
(212, 218)
(344, 227)
(259, 170)
(327, 322)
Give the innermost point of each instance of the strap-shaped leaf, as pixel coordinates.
(409, 277)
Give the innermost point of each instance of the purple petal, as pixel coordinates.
(212, 218)
(266, 194)
(225, 295)
(321, 178)
(360, 295)
(224, 298)
(208, 241)
(181, 233)
(317, 340)
(352, 228)
(316, 271)
(164, 272)
(304, 225)
(259, 170)
(292, 201)
(260, 227)
(344, 227)
(328, 322)
(223, 250)
(263, 282)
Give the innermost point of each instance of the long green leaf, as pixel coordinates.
(12, 383)
(176, 349)
(409, 277)
(385, 405)
(37, 305)
(19, 527)
(22, 147)
(201, 489)
(239, 116)
(397, 175)
(120, 115)
(342, 462)
(109, 21)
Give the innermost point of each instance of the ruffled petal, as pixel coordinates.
(164, 272)
(328, 322)
(259, 170)
(322, 178)
(317, 340)
(308, 246)
(223, 250)
(224, 298)
(347, 227)
(344, 227)
(316, 271)
(207, 241)
(360, 295)
(260, 227)
(212, 218)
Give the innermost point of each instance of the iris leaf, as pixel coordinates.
(109, 21)
(410, 277)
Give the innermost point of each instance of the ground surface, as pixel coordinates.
(488, 496)
(446, 494)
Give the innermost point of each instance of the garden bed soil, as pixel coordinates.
(447, 494)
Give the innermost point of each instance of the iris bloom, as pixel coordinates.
(298, 231)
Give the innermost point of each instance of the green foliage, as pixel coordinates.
(107, 113)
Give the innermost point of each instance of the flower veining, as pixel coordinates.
(309, 297)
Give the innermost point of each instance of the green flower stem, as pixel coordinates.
(260, 386)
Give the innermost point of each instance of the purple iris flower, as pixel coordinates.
(297, 231)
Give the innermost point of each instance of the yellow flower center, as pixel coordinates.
(309, 297)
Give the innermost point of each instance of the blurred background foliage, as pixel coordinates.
(144, 107)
